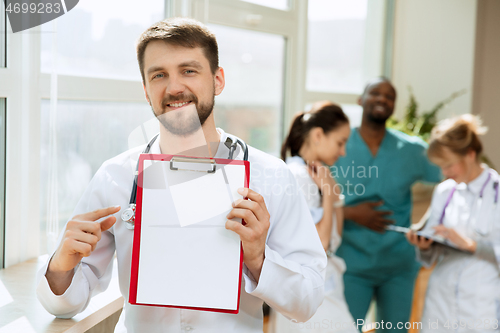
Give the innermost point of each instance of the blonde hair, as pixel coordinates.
(459, 134)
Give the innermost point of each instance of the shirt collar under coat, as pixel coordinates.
(222, 152)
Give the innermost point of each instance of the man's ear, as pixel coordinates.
(219, 80)
(360, 100)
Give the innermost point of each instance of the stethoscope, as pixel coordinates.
(128, 215)
(450, 196)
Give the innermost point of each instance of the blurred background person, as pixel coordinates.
(377, 176)
(464, 289)
(316, 140)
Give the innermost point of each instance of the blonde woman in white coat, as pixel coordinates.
(316, 140)
(464, 289)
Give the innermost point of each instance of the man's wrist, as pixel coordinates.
(55, 268)
(59, 280)
(255, 267)
(349, 213)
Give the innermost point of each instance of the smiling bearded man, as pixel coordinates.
(283, 260)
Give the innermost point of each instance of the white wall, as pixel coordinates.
(434, 43)
(486, 101)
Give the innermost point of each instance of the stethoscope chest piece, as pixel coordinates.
(128, 216)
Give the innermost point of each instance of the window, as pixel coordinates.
(100, 99)
(263, 48)
(278, 4)
(86, 135)
(345, 48)
(251, 106)
(97, 38)
(335, 64)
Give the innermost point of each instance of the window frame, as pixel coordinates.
(19, 86)
(291, 24)
(3, 62)
(3, 103)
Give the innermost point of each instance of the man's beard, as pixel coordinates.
(185, 121)
(377, 117)
(377, 120)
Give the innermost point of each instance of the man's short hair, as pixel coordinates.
(373, 81)
(180, 32)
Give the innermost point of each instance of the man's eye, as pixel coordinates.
(160, 75)
(189, 71)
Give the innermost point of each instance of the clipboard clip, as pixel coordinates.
(177, 159)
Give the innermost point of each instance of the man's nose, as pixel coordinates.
(175, 86)
(381, 98)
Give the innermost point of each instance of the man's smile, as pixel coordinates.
(379, 108)
(178, 105)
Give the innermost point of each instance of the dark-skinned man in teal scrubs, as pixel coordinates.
(376, 176)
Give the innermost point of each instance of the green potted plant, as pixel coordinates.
(417, 124)
(420, 124)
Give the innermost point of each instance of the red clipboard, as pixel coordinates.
(139, 283)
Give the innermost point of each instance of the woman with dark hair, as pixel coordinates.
(464, 288)
(316, 140)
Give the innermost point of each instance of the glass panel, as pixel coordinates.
(336, 45)
(251, 104)
(97, 38)
(88, 133)
(278, 4)
(354, 112)
(3, 35)
(2, 180)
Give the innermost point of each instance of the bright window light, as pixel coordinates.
(278, 4)
(336, 45)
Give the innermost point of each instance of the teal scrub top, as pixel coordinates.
(400, 161)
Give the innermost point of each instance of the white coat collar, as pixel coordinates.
(295, 159)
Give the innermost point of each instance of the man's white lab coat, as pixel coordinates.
(292, 277)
